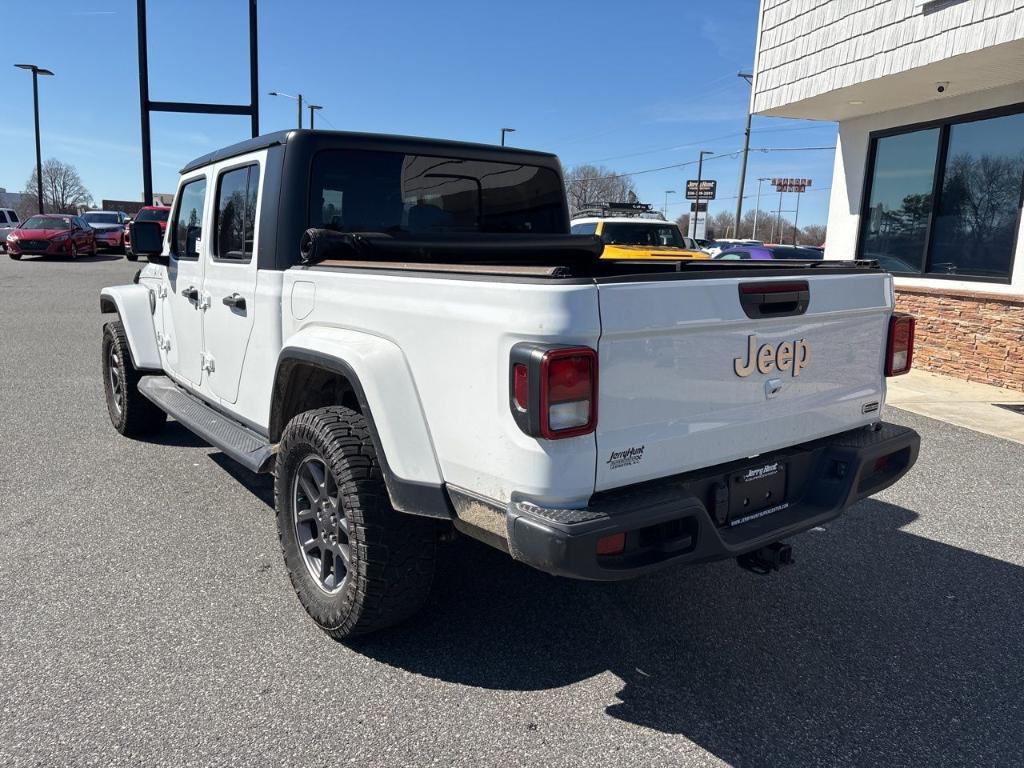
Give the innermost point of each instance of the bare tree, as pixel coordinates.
(63, 190)
(683, 222)
(812, 234)
(590, 184)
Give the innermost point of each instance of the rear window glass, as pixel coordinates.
(651, 235)
(102, 218)
(398, 193)
(148, 214)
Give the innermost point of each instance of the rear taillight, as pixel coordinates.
(899, 354)
(554, 390)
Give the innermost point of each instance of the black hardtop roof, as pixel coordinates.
(377, 141)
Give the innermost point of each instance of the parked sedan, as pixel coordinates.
(157, 213)
(765, 252)
(52, 235)
(109, 227)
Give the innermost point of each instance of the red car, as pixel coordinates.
(159, 213)
(53, 234)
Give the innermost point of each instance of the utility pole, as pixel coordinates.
(36, 71)
(312, 110)
(665, 209)
(743, 160)
(696, 206)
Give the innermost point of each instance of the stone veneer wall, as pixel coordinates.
(971, 335)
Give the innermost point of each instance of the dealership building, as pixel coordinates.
(929, 165)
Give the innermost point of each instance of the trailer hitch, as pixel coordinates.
(766, 559)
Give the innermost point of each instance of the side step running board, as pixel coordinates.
(251, 450)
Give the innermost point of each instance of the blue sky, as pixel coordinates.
(630, 86)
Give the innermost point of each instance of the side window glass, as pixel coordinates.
(585, 229)
(188, 220)
(14, 216)
(3, 217)
(236, 213)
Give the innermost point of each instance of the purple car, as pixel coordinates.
(766, 252)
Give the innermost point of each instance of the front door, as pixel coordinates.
(183, 322)
(229, 288)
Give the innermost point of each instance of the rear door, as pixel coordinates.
(230, 283)
(183, 320)
(689, 380)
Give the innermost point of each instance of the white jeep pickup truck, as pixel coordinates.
(404, 333)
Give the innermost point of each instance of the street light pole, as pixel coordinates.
(779, 218)
(796, 216)
(36, 71)
(743, 161)
(312, 110)
(503, 132)
(667, 193)
(757, 206)
(289, 96)
(696, 205)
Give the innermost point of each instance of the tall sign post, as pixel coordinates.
(252, 109)
(700, 190)
(789, 185)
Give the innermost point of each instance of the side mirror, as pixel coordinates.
(148, 241)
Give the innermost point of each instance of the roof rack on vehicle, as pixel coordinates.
(638, 210)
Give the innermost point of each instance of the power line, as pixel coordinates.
(694, 162)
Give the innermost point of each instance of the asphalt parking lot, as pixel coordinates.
(146, 617)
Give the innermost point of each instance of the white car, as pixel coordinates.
(8, 223)
(404, 333)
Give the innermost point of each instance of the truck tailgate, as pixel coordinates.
(689, 380)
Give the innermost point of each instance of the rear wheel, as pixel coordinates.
(357, 565)
(130, 413)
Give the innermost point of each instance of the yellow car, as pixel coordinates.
(631, 237)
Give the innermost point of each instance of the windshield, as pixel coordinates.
(392, 192)
(101, 218)
(642, 234)
(150, 214)
(47, 222)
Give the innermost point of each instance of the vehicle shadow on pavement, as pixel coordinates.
(877, 647)
(101, 256)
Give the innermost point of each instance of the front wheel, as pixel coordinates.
(74, 251)
(130, 412)
(15, 256)
(357, 565)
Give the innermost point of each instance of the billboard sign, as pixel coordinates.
(708, 189)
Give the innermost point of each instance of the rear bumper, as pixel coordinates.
(685, 519)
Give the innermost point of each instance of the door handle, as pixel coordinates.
(234, 300)
(191, 293)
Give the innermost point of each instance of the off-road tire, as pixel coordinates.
(135, 416)
(392, 554)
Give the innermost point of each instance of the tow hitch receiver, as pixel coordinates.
(767, 559)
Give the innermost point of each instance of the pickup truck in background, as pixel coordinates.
(404, 333)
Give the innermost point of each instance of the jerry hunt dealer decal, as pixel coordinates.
(626, 458)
